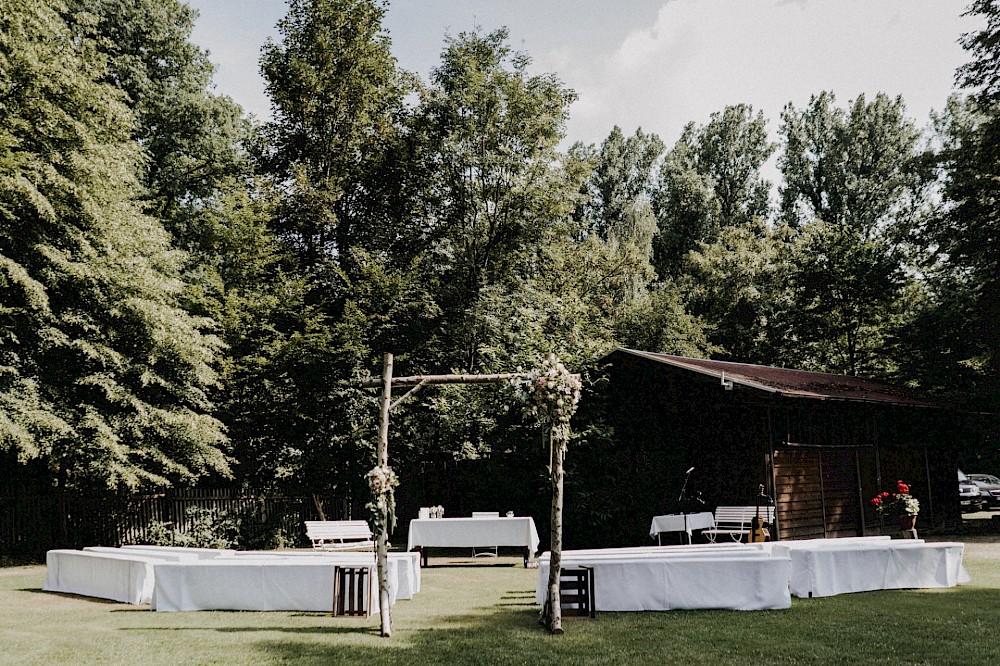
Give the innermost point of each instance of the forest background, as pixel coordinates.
(188, 296)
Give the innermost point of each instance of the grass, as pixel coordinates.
(484, 613)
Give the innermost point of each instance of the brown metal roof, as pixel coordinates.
(794, 383)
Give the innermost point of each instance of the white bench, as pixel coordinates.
(734, 521)
(340, 534)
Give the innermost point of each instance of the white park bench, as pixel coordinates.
(340, 534)
(734, 521)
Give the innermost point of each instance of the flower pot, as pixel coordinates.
(907, 522)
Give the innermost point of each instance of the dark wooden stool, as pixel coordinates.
(351, 591)
(576, 592)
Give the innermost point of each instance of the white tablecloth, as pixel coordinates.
(105, 575)
(200, 553)
(678, 522)
(473, 533)
(826, 567)
(407, 564)
(249, 584)
(728, 546)
(737, 580)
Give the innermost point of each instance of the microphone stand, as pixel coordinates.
(683, 498)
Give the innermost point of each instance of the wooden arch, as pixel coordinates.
(552, 613)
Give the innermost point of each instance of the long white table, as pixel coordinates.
(734, 579)
(117, 576)
(476, 532)
(200, 553)
(257, 584)
(681, 522)
(407, 565)
(827, 567)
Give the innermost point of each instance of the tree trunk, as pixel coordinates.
(382, 539)
(554, 603)
(319, 507)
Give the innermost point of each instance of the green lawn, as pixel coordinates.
(484, 613)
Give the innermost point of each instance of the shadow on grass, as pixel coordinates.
(70, 595)
(888, 627)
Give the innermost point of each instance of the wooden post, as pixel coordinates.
(557, 453)
(382, 538)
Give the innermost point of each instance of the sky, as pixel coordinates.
(654, 64)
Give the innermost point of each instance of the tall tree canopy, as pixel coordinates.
(335, 92)
(711, 179)
(103, 376)
(852, 188)
(195, 141)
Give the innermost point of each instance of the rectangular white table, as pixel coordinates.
(249, 584)
(477, 532)
(124, 577)
(681, 522)
(737, 580)
(406, 564)
(827, 567)
(200, 553)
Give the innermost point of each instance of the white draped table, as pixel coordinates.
(219, 579)
(735, 579)
(681, 522)
(117, 576)
(258, 584)
(200, 553)
(406, 564)
(827, 567)
(476, 532)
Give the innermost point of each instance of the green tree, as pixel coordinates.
(103, 376)
(496, 193)
(843, 308)
(711, 179)
(855, 190)
(195, 141)
(618, 207)
(856, 167)
(336, 94)
(967, 232)
(737, 283)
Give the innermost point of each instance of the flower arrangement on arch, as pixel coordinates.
(382, 481)
(550, 393)
(899, 503)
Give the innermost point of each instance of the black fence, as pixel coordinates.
(32, 524)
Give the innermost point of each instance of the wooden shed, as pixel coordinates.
(822, 445)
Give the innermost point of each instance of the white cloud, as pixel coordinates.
(700, 55)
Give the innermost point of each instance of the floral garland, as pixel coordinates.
(382, 481)
(550, 393)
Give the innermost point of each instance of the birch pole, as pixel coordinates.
(557, 453)
(382, 539)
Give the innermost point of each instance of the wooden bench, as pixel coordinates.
(734, 521)
(340, 534)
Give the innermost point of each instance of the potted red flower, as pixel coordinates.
(900, 504)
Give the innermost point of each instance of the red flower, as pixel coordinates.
(902, 488)
(876, 501)
(884, 494)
